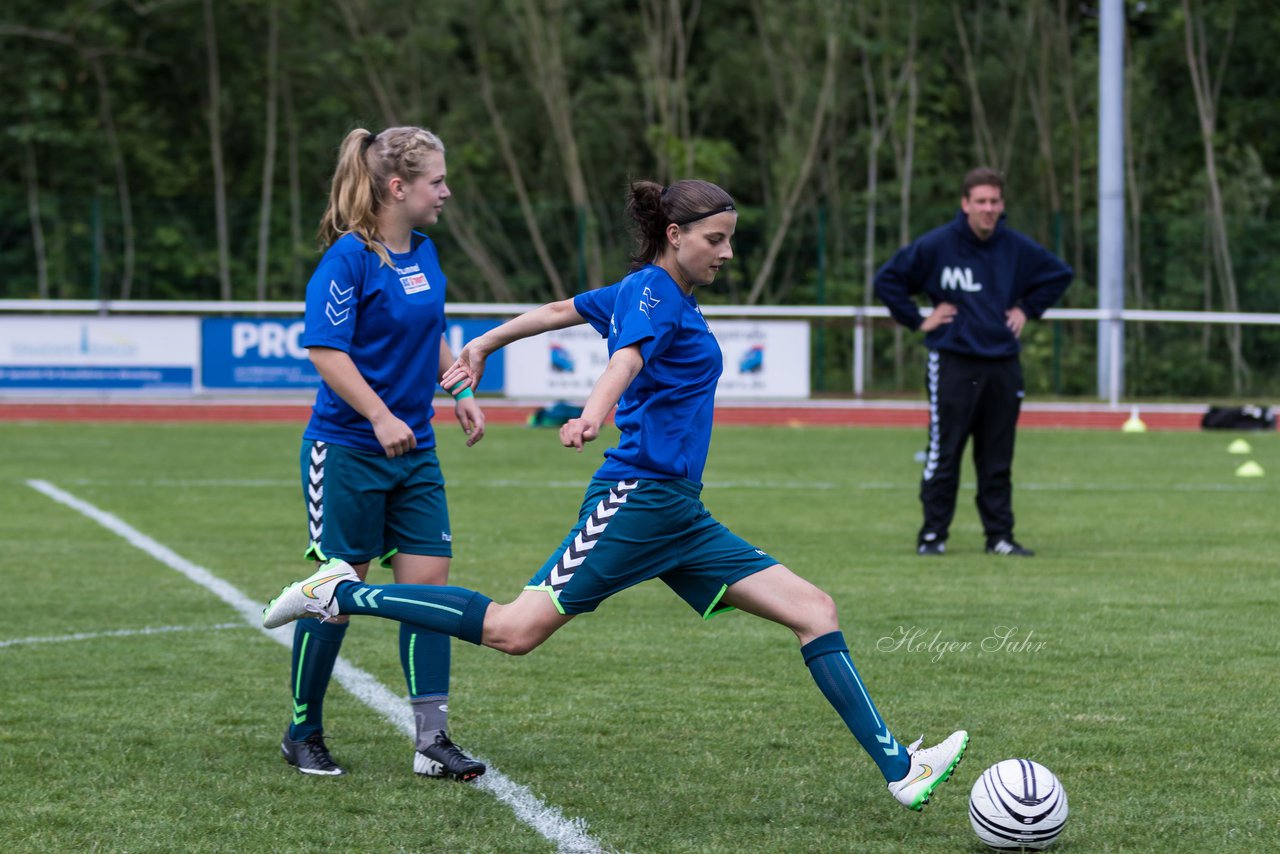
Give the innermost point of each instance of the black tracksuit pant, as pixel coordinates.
(970, 397)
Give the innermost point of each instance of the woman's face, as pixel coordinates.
(700, 250)
(424, 196)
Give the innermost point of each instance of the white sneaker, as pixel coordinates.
(929, 769)
(312, 595)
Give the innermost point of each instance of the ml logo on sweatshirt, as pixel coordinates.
(960, 278)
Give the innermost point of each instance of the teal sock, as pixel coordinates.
(425, 657)
(831, 667)
(315, 649)
(453, 611)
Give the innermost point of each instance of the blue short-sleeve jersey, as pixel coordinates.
(389, 320)
(665, 415)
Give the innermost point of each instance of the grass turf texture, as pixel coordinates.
(1138, 661)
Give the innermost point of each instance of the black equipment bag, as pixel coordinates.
(1239, 418)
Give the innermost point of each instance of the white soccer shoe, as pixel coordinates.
(312, 595)
(929, 769)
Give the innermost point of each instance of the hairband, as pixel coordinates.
(369, 140)
(687, 220)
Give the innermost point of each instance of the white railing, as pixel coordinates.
(858, 315)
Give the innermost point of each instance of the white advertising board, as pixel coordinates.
(90, 353)
(763, 360)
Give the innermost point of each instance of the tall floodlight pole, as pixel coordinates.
(1111, 200)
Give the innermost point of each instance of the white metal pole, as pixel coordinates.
(1111, 198)
(859, 340)
(1116, 347)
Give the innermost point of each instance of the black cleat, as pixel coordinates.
(1009, 547)
(931, 547)
(444, 759)
(310, 756)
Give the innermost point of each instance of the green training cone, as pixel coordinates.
(1250, 469)
(1239, 446)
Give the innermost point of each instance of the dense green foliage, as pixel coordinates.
(819, 115)
(1154, 597)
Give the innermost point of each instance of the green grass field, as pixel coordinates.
(1139, 660)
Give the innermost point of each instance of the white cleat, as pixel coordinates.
(312, 595)
(929, 769)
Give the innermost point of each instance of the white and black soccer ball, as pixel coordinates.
(1017, 804)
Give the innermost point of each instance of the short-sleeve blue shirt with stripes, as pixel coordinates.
(665, 415)
(389, 320)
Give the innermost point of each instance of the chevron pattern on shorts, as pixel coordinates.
(592, 530)
(315, 490)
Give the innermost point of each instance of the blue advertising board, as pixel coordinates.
(265, 353)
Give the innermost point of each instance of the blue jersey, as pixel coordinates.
(389, 320)
(665, 414)
(982, 278)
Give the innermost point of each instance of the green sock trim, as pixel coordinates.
(302, 660)
(413, 669)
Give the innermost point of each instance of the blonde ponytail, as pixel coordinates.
(366, 162)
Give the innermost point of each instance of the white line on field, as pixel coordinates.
(118, 633)
(568, 834)
(905, 485)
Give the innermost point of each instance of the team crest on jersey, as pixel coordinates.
(648, 301)
(412, 279)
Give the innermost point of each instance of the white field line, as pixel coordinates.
(906, 484)
(568, 834)
(118, 633)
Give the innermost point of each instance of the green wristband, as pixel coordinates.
(463, 395)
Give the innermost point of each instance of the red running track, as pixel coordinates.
(799, 414)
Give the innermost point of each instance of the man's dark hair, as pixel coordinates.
(983, 177)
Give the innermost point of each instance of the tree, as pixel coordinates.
(268, 147)
(542, 31)
(31, 174)
(512, 162)
(214, 81)
(664, 78)
(1208, 95)
(92, 56)
(803, 121)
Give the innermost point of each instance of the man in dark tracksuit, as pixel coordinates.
(984, 280)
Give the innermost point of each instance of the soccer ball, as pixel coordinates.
(1017, 804)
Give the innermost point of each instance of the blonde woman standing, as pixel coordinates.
(374, 329)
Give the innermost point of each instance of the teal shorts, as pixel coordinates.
(362, 506)
(634, 530)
